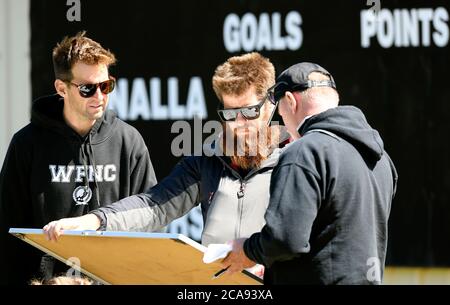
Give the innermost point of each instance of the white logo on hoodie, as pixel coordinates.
(76, 173)
(82, 194)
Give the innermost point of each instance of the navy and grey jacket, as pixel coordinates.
(51, 172)
(331, 194)
(232, 205)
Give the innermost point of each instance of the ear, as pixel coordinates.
(61, 87)
(293, 104)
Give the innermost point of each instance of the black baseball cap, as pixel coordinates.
(295, 78)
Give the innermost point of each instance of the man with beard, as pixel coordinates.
(230, 182)
(331, 192)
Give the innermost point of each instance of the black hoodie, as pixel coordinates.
(331, 195)
(43, 176)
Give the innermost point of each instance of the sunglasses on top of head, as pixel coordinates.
(248, 112)
(88, 90)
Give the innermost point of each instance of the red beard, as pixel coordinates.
(249, 148)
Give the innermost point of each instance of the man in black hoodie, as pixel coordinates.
(74, 156)
(331, 192)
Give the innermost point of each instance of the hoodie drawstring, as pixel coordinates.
(84, 158)
(92, 159)
(87, 156)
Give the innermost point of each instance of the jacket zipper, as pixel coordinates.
(241, 191)
(240, 195)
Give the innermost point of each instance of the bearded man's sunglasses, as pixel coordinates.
(248, 112)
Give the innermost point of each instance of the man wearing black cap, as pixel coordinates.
(331, 191)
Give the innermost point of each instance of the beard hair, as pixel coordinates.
(249, 150)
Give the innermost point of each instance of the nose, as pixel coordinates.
(99, 94)
(280, 107)
(240, 118)
(279, 111)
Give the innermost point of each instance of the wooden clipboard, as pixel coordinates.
(134, 257)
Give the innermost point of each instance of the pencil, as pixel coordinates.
(219, 273)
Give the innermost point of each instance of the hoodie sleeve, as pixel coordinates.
(15, 211)
(294, 203)
(172, 198)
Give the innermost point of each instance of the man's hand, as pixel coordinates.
(55, 228)
(236, 260)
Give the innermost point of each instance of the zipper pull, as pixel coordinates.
(211, 195)
(240, 194)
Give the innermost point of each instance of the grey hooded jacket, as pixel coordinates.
(232, 206)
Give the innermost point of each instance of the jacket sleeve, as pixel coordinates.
(142, 173)
(293, 206)
(172, 198)
(16, 257)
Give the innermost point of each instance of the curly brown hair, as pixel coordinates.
(239, 73)
(78, 48)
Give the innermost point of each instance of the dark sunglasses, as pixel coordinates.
(248, 112)
(88, 90)
(279, 89)
(271, 94)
